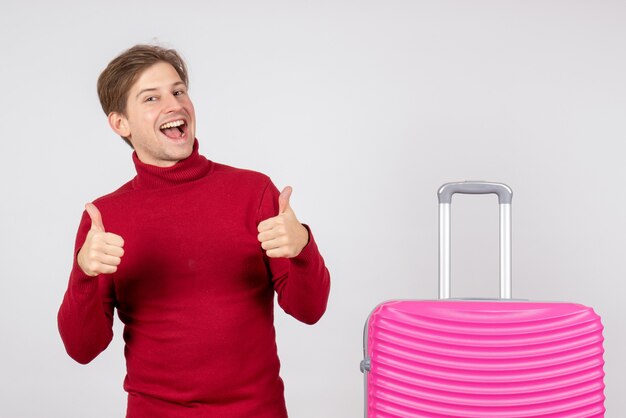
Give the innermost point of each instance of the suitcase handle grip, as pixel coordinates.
(504, 192)
(505, 195)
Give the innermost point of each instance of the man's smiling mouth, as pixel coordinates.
(174, 129)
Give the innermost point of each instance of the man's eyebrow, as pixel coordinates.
(144, 91)
(178, 83)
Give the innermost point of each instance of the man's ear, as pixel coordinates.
(119, 123)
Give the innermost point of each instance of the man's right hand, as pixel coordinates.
(102, 251)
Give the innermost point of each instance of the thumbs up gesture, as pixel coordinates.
(102, 251)
(283, 235)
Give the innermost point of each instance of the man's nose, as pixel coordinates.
(172, 104)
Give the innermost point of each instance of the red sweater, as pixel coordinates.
(195, 292)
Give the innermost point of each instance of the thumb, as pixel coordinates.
(283, 199)
(96, 217)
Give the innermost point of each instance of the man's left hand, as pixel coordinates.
(283, 235)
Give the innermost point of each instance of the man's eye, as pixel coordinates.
(179, 93)
(150, 99)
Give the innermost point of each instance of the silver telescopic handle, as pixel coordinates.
(505, 195)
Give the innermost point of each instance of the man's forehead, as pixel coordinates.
(161, 74)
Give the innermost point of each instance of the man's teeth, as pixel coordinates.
(172, 124)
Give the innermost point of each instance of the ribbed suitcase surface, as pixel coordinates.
(483, 359)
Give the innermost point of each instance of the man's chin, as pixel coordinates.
(167, 156)
(179, 151)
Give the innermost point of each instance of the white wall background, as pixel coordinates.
(365, 108)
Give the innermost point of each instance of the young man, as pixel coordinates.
(190, 252)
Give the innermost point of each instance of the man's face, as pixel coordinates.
(160, 119)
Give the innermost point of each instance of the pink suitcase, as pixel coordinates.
(499, 358)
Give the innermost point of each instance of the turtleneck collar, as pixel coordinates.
(191, 168)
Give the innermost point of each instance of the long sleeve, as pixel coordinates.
(85, 318)
(303, 282)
